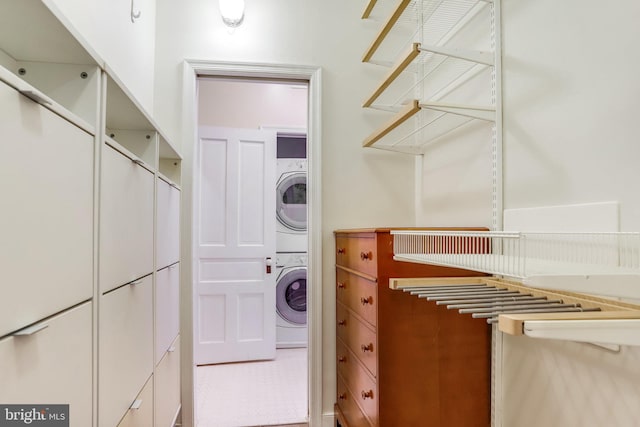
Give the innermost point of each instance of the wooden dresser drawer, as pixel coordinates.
(359, 381)
(350, 409)
(358, 336)
(357, 253)
(357, 293)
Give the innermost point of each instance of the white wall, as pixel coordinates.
(359, 187)
(250, 104)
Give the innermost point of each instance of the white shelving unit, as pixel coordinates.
(443, 61)
(602, 264)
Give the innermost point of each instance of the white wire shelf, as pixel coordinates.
(419, 124)
(605, 264)
(432, 22)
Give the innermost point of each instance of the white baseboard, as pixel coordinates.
(328, 420)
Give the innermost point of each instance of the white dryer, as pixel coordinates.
(291, 300)
(291, 205)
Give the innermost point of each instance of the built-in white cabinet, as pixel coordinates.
(168, 215)
(167, 378)
(89, 221)
(50, 363)
(167, 308)
(46, 222)
(125, 342)
(140, 413)
(126, 219)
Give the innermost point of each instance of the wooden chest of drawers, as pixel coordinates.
(402, 361)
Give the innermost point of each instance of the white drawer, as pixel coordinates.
(168, 387)
(167, 314)
(168, 211)
(126, 220)
(141, 414)
(46, 220)
(125, 344)
(52, 365)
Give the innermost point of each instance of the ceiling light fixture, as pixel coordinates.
(232, 12)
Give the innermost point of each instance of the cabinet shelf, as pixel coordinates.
(605, 264)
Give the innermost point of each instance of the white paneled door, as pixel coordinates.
(234, 239)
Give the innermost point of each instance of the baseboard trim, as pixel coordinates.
(328, 419)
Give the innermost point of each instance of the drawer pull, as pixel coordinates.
(342, 396)
(341, 285)
(171, 349)
(136, 404)
(342, 251)
(342, 359)
(138, 162)
(136, 282)
(342, 322)
(367, 394)
(365, 301)
(30, 330)
(366, 256)
(366, 348)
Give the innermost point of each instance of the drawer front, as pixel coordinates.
(50, 225)
(142, 414)
(125, 348)
(126, 221)
(52, 365)
(350, 409)
(359, 294)
(355, 376)
(167, 378)
(358, 337)
(168, 208)
(167, 313)
(357, 253)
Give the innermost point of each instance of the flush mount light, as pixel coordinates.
(232, 12)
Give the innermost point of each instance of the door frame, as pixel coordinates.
(191, 70)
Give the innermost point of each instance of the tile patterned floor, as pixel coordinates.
(266, 393)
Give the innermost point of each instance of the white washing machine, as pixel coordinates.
(291, 300)
(291, 205)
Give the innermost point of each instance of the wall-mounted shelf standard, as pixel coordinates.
(444, 71)
(594, 263)
(522, 310)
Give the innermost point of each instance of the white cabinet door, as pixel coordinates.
(125, 342)
(167, 379)
(52, 365)
(140, 414)
(126, 220)
(167, 298)
(46, 219)
(168, 213)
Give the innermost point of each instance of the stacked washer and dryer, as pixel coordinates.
(291, 242)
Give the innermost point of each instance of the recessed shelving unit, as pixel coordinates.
(442, 61)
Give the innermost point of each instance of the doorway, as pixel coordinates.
(245, 126)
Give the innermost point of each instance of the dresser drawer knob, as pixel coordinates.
(366, 256)
(341, 285)
(342, 359)
(342, 251)
(342, 322)
(365, 348)
(365, 301)
(342, 396)
(367, 394)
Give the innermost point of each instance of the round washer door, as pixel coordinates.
(291, 295)
(291, 200)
